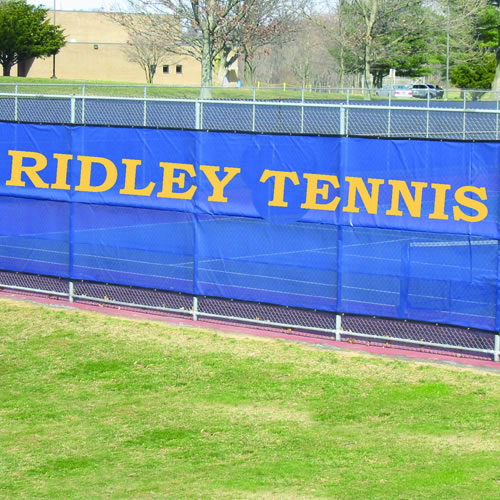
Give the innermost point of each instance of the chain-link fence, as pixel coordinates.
(334, 113)
(354, 329)
(294, 111)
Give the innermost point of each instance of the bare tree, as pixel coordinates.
(143, 47)
(200, 29)
(336, 30)
(368, 34)
(455, 25)
(146, 53)
(303, 60)
(266, 22)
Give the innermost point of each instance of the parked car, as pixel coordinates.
(438, 91)
(424, 90)
(401, 91)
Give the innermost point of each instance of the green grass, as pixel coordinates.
(98, 407)
(124, 89)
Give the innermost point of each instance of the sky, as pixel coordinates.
(105, 5)
(79, 4)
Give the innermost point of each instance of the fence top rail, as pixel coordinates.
(246, 102)
(307, 88)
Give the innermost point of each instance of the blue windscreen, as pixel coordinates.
(399, 228)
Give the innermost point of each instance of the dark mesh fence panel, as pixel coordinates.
(148, 248)
(253, 259)
(34, 236)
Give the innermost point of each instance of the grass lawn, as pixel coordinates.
(124, 89)
(98, 407)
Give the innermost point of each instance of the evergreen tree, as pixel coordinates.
(477, 69)
(25, 32)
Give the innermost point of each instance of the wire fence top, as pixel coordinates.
(252, 112)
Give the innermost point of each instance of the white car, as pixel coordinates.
(402, 91)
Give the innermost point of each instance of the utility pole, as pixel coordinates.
(447, 49)
(54, 56)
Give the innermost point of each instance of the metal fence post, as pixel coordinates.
(338, 327)
(83, 104)
(464, 130)
(428, 116)
(71, 292)
(197, 112)
(73, 108)
(253, 109)
(496, 120)
(145, 111)
(195, 308)
(342, 127)
(302, 113)
(389, 115)
(16, 104)
(347, 112)
(496, 349)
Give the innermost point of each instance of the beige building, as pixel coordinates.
(96, 49)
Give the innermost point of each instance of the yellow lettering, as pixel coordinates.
(86, 171)
(29, 170)
(480, 208)
(370, 201)
(313, 191)
(217, 184)
(62, 172)
(414, 205)
(439, 201)
(130, 179)
(169, 180)
(279, 185)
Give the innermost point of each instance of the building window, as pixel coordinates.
(178, 69)
(165, 68)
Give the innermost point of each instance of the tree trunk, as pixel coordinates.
(150, 70)
(249, 71)
(241, 69)
(341, 68)
(225, 63)
(378, 78)
(370, 18)
(495, 85)
(366, 75)
(206, 69)
(6, 69)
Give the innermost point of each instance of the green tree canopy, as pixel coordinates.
(475, 76)
(376, 35)
(478, 70)
(26, 32)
